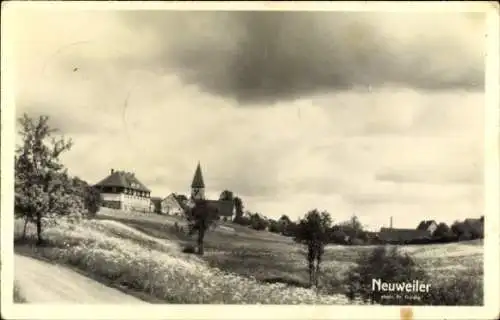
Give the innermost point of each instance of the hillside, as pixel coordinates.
(274, 258)
(144, 254)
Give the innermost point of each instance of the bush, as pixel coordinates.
(243, 221)
(189, 249)
(459, 290)
(386, 264)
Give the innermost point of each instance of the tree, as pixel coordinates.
(90, 195)
(257, 222)
(312, 231)
(92, 200)
(200, 218)
(284, 219)
(42, 187)
(443, 231)
(275, 226)
(238, 207)
(226, 195)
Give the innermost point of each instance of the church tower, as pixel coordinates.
(198, 186)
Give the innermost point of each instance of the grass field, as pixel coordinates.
(143, 253)
(273, 258)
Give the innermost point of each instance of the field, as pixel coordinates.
(144, 254)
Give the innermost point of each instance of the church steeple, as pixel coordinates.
(198, 186)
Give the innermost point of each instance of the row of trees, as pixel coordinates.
(352, 231)
(44, 190)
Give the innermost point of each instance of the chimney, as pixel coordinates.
(390, 225)
(112, 171)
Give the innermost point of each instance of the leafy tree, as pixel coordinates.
(226, 195)
(443, 231)
(42, 187)
(458, 228)
(257, 222)
(275, 226)
(200, 218)
(91, 196)
(92, 200)
(285, 219)
(238, 207)
(312, 231)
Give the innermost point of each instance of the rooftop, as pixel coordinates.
(123, 179)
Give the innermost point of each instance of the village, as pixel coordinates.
(122, 190)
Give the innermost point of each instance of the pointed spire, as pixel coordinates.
(198, 178)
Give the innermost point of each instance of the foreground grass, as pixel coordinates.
(128, 258)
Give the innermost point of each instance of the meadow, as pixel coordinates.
(143, 253)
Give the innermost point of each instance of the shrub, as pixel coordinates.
(387, 264)
(459, 290)
(189, 249)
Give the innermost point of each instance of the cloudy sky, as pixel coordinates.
(373, 114)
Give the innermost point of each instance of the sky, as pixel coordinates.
(372, 114)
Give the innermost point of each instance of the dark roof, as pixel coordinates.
(180, 198)
(122, 179)
(475, 223)
(198, 178)
(424, 225)
(402, 234)
(223, 208)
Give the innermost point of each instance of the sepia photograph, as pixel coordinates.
(246, 157)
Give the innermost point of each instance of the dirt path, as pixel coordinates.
(42, 282)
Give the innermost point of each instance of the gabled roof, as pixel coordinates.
(424, 225)
(180, 199)
(198, 178)
(123, 179)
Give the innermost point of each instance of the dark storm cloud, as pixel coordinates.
(269, 56)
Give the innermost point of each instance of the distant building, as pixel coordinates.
(402, 235)
(223, 208)
(122, 190)
(173, 204)
(428, 225)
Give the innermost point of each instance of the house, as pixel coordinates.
(174, 204)
(402, 235)
(223, 208)
(428, 225)
(122, 190)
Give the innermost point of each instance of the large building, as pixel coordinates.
(122, 190)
